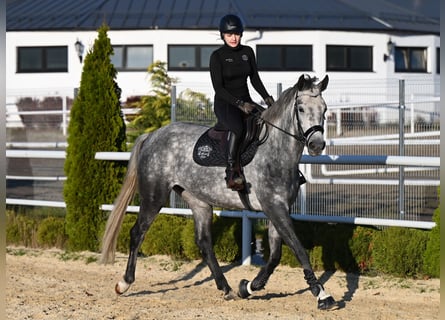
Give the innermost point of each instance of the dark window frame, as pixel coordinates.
(197, 56)
(409, 68)
(43, 63)
(124, 61)
(349, 67)
(283, 63)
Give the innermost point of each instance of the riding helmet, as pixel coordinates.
(230, 24)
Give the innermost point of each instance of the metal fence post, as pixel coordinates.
(64, 116)
(279, 89)
(401, 147)
(246, 251)
(173, 119)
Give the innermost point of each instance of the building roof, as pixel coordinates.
(418, 16)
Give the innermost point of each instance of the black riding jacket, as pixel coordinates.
(229, 69)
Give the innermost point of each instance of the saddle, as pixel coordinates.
(211, 147)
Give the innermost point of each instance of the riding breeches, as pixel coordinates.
(229, 118)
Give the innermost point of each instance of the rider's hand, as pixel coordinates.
(247, 107)
(269, 101)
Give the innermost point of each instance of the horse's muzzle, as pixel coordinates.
(315, 143)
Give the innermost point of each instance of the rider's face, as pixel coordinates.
(232, 39)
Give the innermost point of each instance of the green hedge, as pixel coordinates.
(397, 251)
(431, 260)
(175, 236)
(35, 231)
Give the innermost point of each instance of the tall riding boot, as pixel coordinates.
(234, 177)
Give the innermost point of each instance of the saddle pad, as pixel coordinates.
(211, 149)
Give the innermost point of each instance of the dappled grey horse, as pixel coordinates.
(162, 161)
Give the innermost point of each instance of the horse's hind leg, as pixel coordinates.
(146, 216)
(203, 215)
(246, 288)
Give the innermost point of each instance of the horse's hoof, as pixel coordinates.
(243, 290)
(121, 287)
(327, 303)
(230, 296)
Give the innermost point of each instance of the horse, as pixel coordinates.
(161, 162)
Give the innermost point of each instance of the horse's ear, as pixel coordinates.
(302, 81)
(324, 83)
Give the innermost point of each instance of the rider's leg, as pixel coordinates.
(234, 178)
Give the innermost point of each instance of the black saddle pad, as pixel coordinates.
(211, 149)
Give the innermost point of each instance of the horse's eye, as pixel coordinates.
(301, 109)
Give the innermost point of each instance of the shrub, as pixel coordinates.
(51, 233)
(164, 236)
(399, 251)
(191, 250)
(361, 247)
(21, 230)
(431, 258)
(327, 245)
(123, 239)
(227, 236)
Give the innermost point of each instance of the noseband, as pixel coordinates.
(305, 135)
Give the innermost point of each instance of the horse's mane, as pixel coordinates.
(276, 110)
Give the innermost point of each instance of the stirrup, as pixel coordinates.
(234, 180)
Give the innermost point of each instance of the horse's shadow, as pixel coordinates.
(188, 276)
(336, 254)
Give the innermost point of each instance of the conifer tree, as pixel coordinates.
(96, 124)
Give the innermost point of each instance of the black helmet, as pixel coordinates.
(230, 24)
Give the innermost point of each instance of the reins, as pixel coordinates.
(301, 136)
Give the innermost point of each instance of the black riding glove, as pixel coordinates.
(246, 107)
(269, 101)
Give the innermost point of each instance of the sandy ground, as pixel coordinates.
(52, 284)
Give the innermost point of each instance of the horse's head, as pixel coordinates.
(310, 109)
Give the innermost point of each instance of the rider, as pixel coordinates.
(230, 65)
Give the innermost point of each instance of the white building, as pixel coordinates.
(349, 39)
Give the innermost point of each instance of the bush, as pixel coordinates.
(328, 246)
(123, 239)
(175, 236)
(227, 237)
(431, 257)
(361, 247)
(21, 230)
(164, 236)
(399, 251)
(51, 233)
(190, 249)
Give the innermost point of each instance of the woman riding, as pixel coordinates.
(230, 65)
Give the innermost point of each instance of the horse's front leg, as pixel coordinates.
(246, 288)
(282, 222)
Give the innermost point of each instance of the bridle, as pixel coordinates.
(302, 136)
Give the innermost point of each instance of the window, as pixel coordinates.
(409, 59)
(132, 57)
(189, 57)
(438, 60)
(284, 58)
(42, 59)
(349, 58)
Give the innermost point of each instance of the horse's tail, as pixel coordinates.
(121, 203)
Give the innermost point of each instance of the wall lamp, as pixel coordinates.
(389, 47)
(79, 49)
